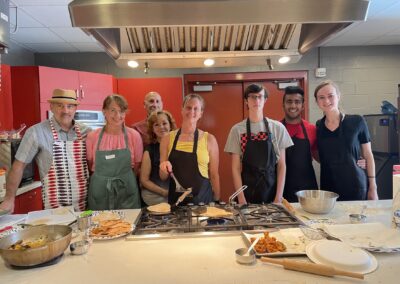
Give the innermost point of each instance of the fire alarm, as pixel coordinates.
(320, 72)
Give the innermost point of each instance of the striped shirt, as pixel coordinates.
(37, 144)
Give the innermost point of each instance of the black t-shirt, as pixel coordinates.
(154, 153)
(354, 132)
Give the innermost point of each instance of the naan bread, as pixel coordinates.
(215, 212)
(106, 215)
(160, 208)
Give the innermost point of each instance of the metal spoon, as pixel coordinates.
(252, 246)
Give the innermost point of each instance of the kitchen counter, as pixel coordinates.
(25, 188)
(195, 260)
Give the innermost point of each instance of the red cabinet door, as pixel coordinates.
(6, 111)
(94, 88)
(56, 78)
(29, 201)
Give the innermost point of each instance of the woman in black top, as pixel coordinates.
(342, 140)
(155, 190)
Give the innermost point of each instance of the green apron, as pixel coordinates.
(113, 184)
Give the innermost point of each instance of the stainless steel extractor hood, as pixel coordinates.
(182, 33)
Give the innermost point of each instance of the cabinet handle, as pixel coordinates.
(77, 94)
(82, 93)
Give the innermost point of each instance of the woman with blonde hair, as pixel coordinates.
(342, 140)
(192, 155)
(114, 153)
(155, 190)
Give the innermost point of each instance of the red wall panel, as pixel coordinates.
(134, 90)
(6, 111)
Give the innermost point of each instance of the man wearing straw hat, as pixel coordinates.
(57, 144)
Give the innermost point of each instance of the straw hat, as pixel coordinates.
(64, 96)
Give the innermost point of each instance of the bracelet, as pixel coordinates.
(371, 176)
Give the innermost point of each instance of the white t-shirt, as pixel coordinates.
(280, 137)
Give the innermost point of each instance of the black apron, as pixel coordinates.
(186, 171)
(259, 168)
(339, 170)
(300, 173)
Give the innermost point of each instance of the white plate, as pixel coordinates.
(341, 256)
(292, 238)
(57, 216)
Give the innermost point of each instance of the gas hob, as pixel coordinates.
(186, 221)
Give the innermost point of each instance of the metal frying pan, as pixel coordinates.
(59, 237)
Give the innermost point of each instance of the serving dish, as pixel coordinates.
(292, 238)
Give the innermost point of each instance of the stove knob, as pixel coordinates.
(201, 204)
(223, 203)
(190, 204)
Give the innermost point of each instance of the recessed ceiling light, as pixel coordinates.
(209, 62)
(133, 64)
(284, 59)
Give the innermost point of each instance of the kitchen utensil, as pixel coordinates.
(288, 206)
(358, 218)
(80, 247)
(311, 233)
(84, 224)
(340, 255)
(317, 201)
(243, 258)
(59, 237)
(313, 268)
(178, 186)
(183, 196)
(236, 193)
(252, 245)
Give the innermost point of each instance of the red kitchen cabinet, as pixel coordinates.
(6, 113)
(29, 201)
(32, 86)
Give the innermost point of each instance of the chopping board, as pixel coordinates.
(58, 216)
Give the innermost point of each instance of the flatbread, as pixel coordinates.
(215, 212)
(111, 228)
(106, 215)
(160, 208)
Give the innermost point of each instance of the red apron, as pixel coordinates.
(66, 183)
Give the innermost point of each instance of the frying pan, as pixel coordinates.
(59, 237)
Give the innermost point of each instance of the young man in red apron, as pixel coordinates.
(257, 146)
(300, 173)
(58, 146)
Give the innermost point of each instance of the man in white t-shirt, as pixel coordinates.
(257, 146)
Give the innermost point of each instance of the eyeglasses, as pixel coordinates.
(256, 97)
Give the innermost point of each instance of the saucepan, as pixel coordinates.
(57, 239)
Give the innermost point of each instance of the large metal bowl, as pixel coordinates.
(317, 201)
(59, 237)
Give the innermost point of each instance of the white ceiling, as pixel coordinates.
(44, 26)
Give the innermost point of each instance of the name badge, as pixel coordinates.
(108, 157)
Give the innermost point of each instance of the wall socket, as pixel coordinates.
(320, 72)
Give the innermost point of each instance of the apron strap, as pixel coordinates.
(195, 140)
(101, 137)
(248, 131)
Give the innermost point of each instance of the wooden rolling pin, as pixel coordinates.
(288, 206)
(313, 268)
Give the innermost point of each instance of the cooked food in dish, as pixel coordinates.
(106, 216)
(268, 244)
(160, 208)
(111, 228)
(29, 243)
(216, 212)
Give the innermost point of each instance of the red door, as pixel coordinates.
(55, 78)
(224, 108)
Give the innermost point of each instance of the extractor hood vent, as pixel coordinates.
(181, 34)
